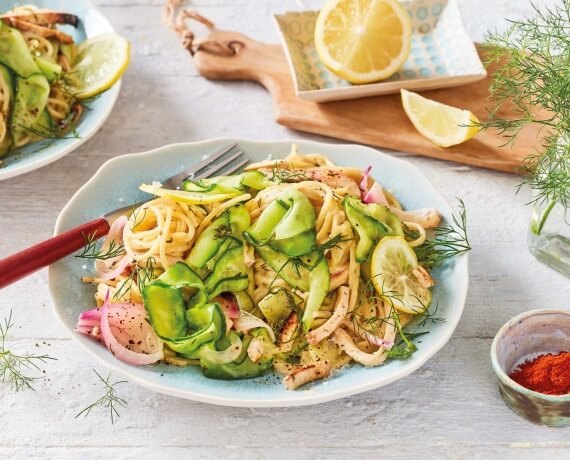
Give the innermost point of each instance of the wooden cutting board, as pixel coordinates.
(377, 121)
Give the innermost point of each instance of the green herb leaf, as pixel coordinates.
(448, 241)
(533, 58)
(402, 351)
(90, 250)
(109, 400)
(14, 367)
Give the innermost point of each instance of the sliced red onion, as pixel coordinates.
(88, 324)
(364, 182)
(247, 321)
(113, 267)
(125, 331)
(376, 195)
(88, 315)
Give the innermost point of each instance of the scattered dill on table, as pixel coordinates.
(109, 400)
(14, 367)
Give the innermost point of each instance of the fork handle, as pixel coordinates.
(25, 262)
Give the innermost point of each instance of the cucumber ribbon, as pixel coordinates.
(308, 273)
(184, 331)
(216, 365)
(255, 180)
(372, 222)
(287, 225)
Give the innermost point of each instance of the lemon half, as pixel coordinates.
(363, 41)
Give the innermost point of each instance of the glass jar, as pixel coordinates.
(549, 234)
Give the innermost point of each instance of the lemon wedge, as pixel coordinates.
(363, 41)
(181, 196)
(442, 124)
(100, 62)
(395, 274)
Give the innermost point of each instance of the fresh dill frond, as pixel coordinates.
(406, 348)
(135, 216)
(222, 232)
(403, 349)
(333, 243)
(141, 275)
(548, 175)
(109, 400)
(50, 133)
(14, 367)
(448, 241)
(533, 58)
(145, 275)
(90, 250)
(280, 174)
(428, 316)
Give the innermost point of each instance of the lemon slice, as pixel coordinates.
(363, 41)
(182, 196)
(442, 124)
(392, 272)
(100, 62)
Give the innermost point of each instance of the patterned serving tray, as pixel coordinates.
(442, 55)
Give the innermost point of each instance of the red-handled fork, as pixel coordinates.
(25, 262)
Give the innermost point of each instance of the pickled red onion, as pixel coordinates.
(127, 323)
(376, 195)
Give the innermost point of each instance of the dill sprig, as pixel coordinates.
(14, 367)
(280, 174)
(533, 58)
(448, 241)
(428, 316)
(141, 275)
(46, 132)
(90, 250)
(109, 400)
(404, 346)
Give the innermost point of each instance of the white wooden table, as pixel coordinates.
(450, 408)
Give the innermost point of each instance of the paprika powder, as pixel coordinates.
(548, 374)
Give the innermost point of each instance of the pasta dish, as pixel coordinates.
(296, 266)
(45, 77)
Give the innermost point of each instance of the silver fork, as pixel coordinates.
(12, 268)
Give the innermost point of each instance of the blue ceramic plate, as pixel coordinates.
(116, 184)
(39, 154)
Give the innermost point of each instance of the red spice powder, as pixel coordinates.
(548, 374)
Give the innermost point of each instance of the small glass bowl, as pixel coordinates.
(527, 335)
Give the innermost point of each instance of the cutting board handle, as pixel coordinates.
(228, 55)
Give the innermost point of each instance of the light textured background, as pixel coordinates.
(450, 408)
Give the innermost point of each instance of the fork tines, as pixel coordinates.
(222, 162)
